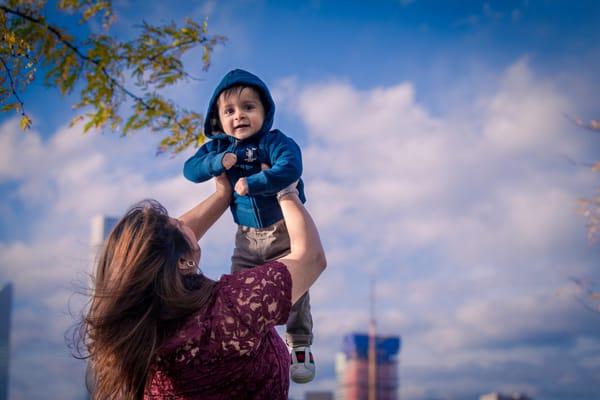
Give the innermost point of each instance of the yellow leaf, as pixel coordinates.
(25, 122)
(10, 38)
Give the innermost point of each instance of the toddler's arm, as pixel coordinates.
(286, 166)
(208, 162)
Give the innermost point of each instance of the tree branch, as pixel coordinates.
(576, 163)
(12, 86)
(181, 71)
(52, 29)
(593, 125)
(84, 57)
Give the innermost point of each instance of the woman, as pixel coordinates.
(157, 329)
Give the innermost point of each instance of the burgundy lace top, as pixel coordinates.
(232, 350)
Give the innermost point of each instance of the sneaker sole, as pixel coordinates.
(303, 379)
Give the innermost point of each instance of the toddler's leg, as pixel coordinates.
(275, 241)
(245, 254)
(299, 325)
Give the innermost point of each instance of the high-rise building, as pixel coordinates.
(5, 314)
(101, 228)
(353, 368)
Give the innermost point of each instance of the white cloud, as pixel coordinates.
(14, 165)
(525, 114)
(418, 179)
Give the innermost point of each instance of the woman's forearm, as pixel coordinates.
(306, 260)
(204, 215)
(304, 237)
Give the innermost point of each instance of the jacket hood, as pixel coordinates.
(238, 77)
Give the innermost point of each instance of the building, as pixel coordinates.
(352, 368)
(318, 396)
(501, 396)
(5, 314)
(101, 228)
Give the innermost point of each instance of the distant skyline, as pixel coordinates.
(436, 155)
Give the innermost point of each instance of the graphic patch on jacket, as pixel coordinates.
(251, 154)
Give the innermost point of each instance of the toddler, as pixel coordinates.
(239, 119)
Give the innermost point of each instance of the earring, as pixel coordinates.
(188, 265)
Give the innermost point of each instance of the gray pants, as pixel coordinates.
(256, 246)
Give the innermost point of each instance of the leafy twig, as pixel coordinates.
(593, 125)
(25, 120)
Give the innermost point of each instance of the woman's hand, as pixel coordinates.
(204, 215)
(222, 185)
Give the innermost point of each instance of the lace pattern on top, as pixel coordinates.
(247, 305)
(217, 349)
(253, 301)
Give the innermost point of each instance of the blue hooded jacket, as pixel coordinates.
(259, 208)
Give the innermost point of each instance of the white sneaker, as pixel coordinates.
(302, 369)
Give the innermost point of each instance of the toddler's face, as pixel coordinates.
(241, 113)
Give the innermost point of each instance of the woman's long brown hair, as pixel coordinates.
(138, 295)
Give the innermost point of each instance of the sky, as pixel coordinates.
(438, 158)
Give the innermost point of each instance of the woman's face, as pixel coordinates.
(191, 237)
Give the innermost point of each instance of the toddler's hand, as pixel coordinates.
(229, 160)
(241, 187)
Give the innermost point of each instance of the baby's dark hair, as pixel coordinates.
(237, 90)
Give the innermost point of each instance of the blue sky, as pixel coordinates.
(435, 147)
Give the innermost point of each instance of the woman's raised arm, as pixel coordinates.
(307, 259)
(204, 215)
